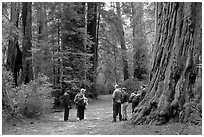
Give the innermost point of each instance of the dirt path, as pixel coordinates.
(98, 121)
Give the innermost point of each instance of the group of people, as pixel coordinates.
(121, 100)
(81, 102)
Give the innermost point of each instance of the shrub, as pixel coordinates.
(131, 84)
(35, 98)
(9, 108)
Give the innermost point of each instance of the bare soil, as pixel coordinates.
(98, 122)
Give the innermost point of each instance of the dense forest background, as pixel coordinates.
(48, 48)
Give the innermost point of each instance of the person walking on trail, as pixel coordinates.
(117, 97)
(66, 104)
(134, 99)
(81, 101)
(124, 104)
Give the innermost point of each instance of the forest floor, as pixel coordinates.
(98, 122)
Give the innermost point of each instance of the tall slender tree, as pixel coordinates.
(14, 54)
(27, 72)
(42, 61)
(92, 31)
(121, 33)
(140, 54)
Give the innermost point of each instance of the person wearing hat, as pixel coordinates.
(124, 103)
(81, 101)
(117, 97)
(66, 104)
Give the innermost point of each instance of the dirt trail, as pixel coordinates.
(98, 121)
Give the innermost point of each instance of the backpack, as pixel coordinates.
(80, 100)
(135, 98)
(131, 97)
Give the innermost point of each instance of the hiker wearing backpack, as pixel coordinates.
(124, 102)
(117, 98)
(81, 101)
(134, 99)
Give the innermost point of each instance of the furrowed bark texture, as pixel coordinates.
(14, 55)
(174, 72)
(92, 31)
(27, 73)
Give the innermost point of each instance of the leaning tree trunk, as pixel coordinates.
(172, 91)
(27, 73)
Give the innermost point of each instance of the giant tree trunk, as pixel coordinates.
(172, 91)
(27, 73)
(14, 54)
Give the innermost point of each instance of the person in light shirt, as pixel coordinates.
(125, 98)
(81, 102)
(117, 97)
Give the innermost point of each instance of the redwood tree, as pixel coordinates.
(92, 31)
(14, 55)
(120, 30)
(173, 92)
(27, 73)
(40, 64)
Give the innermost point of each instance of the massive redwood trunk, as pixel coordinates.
(174, 90)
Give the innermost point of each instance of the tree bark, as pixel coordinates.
(120, 30)
(115, 63)
(178, 44)
(92, 31)
(60, 60)
(27, 72)
(14, 54)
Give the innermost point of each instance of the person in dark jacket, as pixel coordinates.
(117, 97)
(66, 104)
(81, 101)
(134, 99)
(125, 98)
